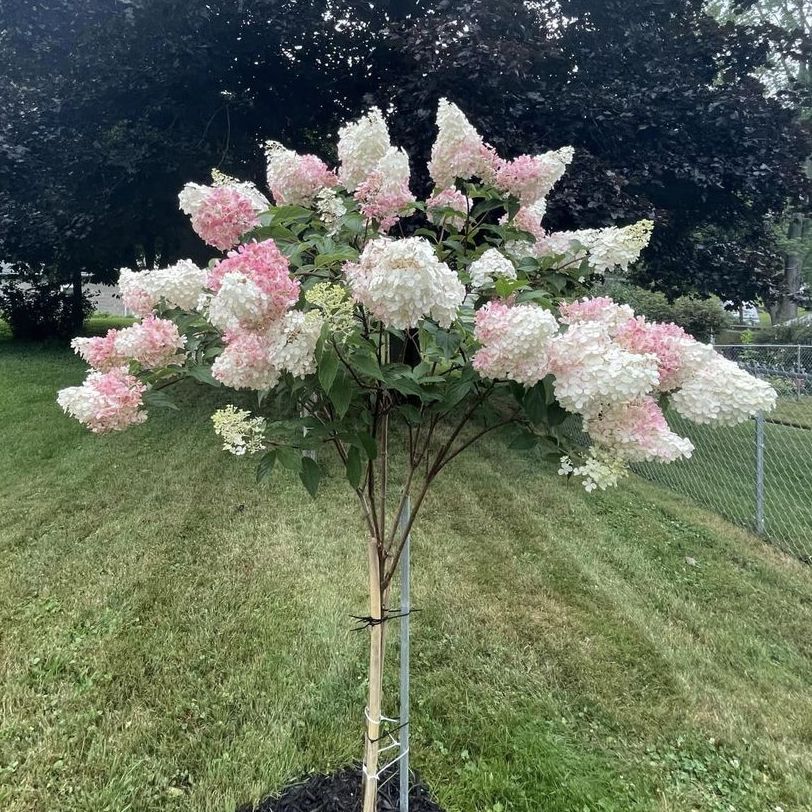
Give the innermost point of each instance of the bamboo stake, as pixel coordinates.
(375, 680)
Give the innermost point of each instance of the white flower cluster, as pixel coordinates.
(241, 433)
(402, 281)
(722, 393)
(600, 470)
(256, 360)
(513, 341)
(330, 208)
(180, 285)
(458, 151)
(297, 354)
(362, 145)
(239, 302)
(603, 248)
(490, 266)
(334, 306)
(591, 371)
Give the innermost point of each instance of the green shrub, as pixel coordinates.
(699, 317)
(36, 306)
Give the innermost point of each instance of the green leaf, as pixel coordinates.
(159, 399)
(535, 404)
(310, 475)
(266, 465)
(524, 440)
(556, 415)
(411, 413)
(203, 374)
(456, 392)
(341, 393)
(328, 366)
(505, 287)
(354, 466)
(290, 458)
(487, 205)
(447, 343)
(335, 258)
(366, 364)
(367, 442)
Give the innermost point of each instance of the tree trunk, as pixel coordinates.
(374, 702)
(785, 308)
(78, 313)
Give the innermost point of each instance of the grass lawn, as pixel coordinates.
(174, 638)
(722, 473)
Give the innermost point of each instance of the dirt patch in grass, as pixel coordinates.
(341, 792)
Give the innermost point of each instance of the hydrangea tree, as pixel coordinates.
(398, 352)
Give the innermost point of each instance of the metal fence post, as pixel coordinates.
(405, 608)
(760, 473)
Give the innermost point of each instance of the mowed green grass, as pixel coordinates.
(173, 637)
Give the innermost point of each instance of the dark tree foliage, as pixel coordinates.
(111, 105)
(656, 97)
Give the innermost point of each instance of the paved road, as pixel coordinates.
(106, 298)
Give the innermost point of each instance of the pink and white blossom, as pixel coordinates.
(600, 309)
(151, 343)
(459, 151)
(514, 341)
(678, 355)
(296, 179)
(721, 393)
(401, 282)
(180, 285)
(384, 193)
(636, 432)
(448, 199)
(489, 267)
(603, 248)
(592, 372)
(531, 177)
(106, 401)
(252, 287)
(362, 144)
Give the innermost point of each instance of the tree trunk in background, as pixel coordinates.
(78, 314)
(785, 308)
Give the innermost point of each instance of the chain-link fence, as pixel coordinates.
(758, 474)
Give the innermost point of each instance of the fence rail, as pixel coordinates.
(759, 474)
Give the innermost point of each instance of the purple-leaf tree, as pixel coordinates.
(399, 351)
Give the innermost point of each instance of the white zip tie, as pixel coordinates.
(381, 719)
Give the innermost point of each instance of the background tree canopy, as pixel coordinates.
(114, 104)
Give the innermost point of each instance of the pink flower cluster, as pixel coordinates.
(296, 179)
(384, 193)
(459, 151)
(600, 309)
(528, 218)
(606, 365)
(106, 401)
(223, 216)
(531, 177)
(252, 287)
(637, 431)
(448, 199)
(678, 355)
(253, 293)
(151, 343)
(256, 360)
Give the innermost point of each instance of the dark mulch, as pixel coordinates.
(341, 792)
